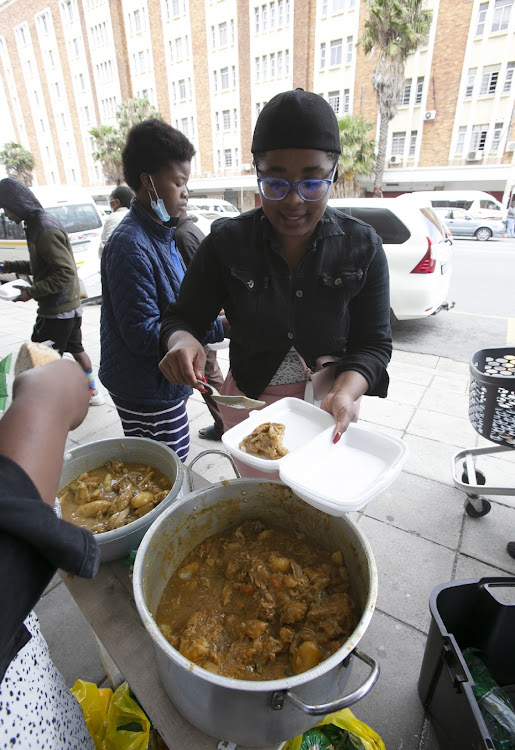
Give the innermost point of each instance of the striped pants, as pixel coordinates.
(168, 426)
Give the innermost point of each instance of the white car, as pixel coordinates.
(417, 249)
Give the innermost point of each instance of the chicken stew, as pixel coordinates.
(113, 495)
(266, 441)
(258, 602)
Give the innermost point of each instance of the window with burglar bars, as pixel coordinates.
(406, 93)
(478, 137)
(489, 79)
(334, 101)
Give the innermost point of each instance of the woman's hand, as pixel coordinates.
(185, 360)
(341, 400)
(24, 295)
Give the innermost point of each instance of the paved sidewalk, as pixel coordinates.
(418, 529)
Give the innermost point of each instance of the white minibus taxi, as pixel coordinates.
(477, 203)
(79, 214)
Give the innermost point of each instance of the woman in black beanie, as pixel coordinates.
(300, 283)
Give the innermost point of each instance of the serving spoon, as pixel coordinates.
(236, 402)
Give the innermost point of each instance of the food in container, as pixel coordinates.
(258, 602)
(266, 441)
(113, 495)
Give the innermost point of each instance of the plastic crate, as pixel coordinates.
(472, 613)
(492, 394)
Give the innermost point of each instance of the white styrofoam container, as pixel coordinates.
(302, 422)
(337, 479)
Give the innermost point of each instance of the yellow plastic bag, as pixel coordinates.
(354, 734)
(114, 720)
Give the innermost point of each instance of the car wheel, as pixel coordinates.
(483, 233)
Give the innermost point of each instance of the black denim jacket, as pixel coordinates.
(337, 302)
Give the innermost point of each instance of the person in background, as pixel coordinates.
(36, 708)
(120, 202)
(141, 273)
(510, 221)
(298, 280)
(187, 238)
(55, 284)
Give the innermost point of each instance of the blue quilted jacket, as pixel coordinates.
(138, 281)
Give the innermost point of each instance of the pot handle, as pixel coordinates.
(322, 709)
(189, 472)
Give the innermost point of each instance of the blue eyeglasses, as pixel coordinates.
(276, 189)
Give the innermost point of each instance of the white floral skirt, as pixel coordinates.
(37, 711)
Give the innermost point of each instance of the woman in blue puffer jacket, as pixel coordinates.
(141, 274)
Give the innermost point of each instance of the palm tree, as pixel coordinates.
(395, 28)
(18, 162)
(357, 156)
(110, 140)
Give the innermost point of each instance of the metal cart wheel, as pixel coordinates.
(476, 506)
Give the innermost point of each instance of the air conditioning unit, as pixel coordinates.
(430, 114)
(395, 159)
(474, 156)
(510, 146)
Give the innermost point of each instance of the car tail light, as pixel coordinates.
(428, 263)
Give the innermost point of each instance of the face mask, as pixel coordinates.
(158, 207)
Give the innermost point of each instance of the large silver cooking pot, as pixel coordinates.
(244, 711)
(119, 543)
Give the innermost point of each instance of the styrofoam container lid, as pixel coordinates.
(302, 422)
(344, 477)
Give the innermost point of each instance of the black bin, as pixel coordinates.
(475, 613)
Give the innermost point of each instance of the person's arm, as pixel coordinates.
(47, 402)
(362, 369)
(16, 266)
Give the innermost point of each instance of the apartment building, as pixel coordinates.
(209, 66)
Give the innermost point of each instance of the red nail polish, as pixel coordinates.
(336, 437)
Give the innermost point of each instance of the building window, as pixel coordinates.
(233, 31)
(420, 90)
(227, 157)
(215, 80)
(412, 143)
(264, 17)
(257, 65)
(398, 141)
(222, 33)
(483, 9)
(226, 117)
(502, 10)
(478, 138)
(68, 10)
(338, 5)
(280, 9)
(322, 55)
(471, 79)
(264, 61)
(256, 20)
(235, 118)
(178, 48)
(350, 49)
(184, 126)
(233, 74)
(496, 138)
(272, 64)
(324, 7)
(224, 79)
(406, 93)
(43, 23)
(346, 101)
(336, 52)
(489, 79)
(334, 101)
(217, 121)
(182, 89)
(508, 78)
(279, 64)
(460, 141)
(286, 61)
(272, 15)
